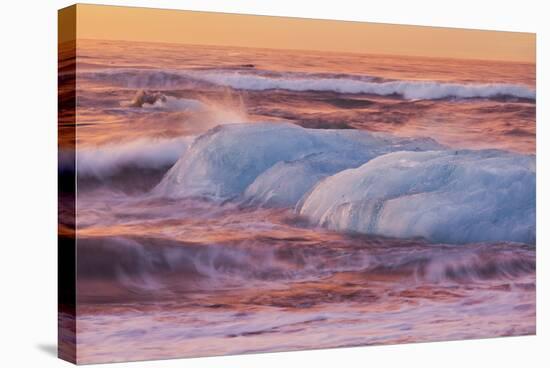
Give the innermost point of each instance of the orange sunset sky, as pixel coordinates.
(190, 27)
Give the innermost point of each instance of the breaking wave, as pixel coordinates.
(149, 264)
(107, 160)
(411, 90)
(260, 81)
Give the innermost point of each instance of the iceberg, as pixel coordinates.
(443, 196)
(283, 184)
(273, 163)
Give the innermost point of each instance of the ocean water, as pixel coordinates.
(235, 200)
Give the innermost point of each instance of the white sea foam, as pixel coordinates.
(444, 196)
(106, 160)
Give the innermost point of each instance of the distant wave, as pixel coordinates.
(107, 160)
(406, 89)
(139, 78)
(341, 83)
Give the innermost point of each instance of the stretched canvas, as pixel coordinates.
(234, 184)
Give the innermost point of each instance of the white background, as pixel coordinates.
(28, 250)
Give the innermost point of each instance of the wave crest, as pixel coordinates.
(353, 84)
(412, 90)
(151, 264)
(107, 160)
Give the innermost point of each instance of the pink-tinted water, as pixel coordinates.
(160, 278)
